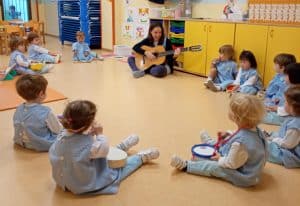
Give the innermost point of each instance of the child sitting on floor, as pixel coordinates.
(223, 70)
(38, 53)
(284, 146)
(248, 80)
(82, 51)
(36, 127)
(240, 157)
(273, 91)
(78, 157)
(22, 65)
(276, 114)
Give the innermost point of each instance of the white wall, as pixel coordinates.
(51, 18)
(107, 32)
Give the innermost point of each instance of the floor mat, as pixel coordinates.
(9, 98)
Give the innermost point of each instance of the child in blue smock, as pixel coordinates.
(276, 114)
(36, 127)
(223, 70)
(78, 157)
(38, 53)
(239, 157)
(20, 62)
(284, 146)
(82, 51)
(273, 94)
(248, 80)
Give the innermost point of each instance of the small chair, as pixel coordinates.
(6, 32)
(37, 27)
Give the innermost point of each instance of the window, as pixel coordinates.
(16, 9)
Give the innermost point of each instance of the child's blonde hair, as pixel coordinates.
(247, 111)
(227, 50)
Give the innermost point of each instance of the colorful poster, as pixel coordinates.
(131, 14)
(143, 15)
(128, 31)
(141, 31)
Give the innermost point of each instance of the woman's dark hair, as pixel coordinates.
(293, 72)
(249, 56)
(79, 115)
(153, 26)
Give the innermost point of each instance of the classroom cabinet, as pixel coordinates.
(194, 62)
(253, 38)
(264, 41)
(280, 40)
(218, 34)
(211, 36)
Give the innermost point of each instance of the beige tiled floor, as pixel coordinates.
(167, 113)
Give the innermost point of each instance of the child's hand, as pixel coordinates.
(235, 88)
(271, 108)
(216, 157)
(223, 135)
(149, 55)
(86, 53)
(276, 101)
(52, 53)
(214, 62)
(96, 129)
(177, 52)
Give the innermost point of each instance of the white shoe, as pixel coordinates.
(212, 86)
(205, 84)
(204, 136)
(57, 58)
(129, 142)
(149, 154)
(178, 163)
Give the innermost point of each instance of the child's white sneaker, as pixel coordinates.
(204, 136)
(149, 154)
(178, 163)
(129, 142)
(100, 58)
(57, 58)
(212, 86)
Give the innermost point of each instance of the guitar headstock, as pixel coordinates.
(195, 48)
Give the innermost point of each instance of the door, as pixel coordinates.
(253, 38)
(51, 18)
(107, 24)
(195, 34)
(218, 34)
(281, 40)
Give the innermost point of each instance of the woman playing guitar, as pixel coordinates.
(155, 38)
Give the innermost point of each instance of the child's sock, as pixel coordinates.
(206, 81)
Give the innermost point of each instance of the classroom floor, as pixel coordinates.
(167, 113)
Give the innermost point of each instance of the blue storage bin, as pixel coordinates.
(80, 15)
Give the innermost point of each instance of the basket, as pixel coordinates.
(122, 50)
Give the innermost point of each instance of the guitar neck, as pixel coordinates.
(170, 52)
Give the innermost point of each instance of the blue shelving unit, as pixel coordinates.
(80, 15)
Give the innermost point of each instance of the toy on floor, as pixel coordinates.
(7, 73)
(116, 158)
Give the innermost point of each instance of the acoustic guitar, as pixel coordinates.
(143, 63)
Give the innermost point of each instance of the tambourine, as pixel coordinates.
(116, 158)
(205, 151)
